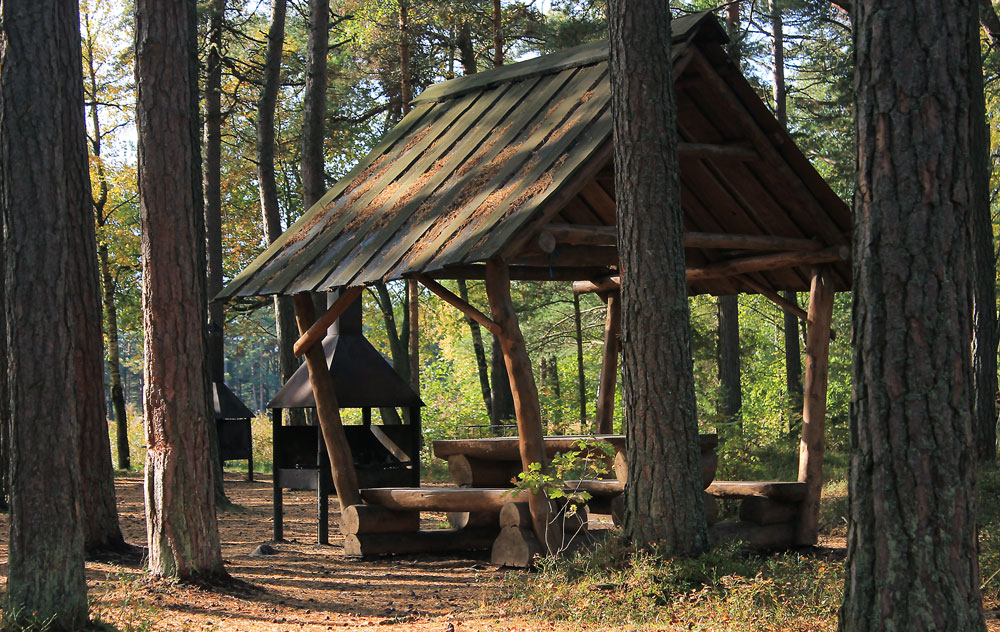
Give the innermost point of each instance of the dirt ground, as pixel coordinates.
(304, 587)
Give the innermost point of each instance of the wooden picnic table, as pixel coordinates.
(495, 461)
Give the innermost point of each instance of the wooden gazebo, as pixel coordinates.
(508, 174)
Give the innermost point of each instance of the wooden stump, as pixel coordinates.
(516, 547)
(374, 519)
(709, 466)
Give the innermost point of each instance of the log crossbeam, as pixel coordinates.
(561, 235)
(456, 301)
(317, 331)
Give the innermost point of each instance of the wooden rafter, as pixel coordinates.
(456, 301)
(318, 329)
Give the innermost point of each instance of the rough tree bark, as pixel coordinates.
(984, 316)
(731, 399)
(284, 312)
(911, 553)
(664, 496)
(44, 193)
(213, 222)
(314, 106)
(497, 34)
(180, 509)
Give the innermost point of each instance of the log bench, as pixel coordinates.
(769, 512)
(389, 521)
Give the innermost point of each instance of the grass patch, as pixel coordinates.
(725, 589)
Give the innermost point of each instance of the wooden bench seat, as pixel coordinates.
(441, 499)
(775, 490)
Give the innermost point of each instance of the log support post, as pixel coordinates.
(814, 403)
(609, 364)
(345, 480)
(522, 385)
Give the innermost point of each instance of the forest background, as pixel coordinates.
(563, 333)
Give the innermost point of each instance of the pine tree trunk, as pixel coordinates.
(44, 197)
(213, 222)
(581, 377)
(728, 306)
(107, 281)
(502, 399)
(497, 34)
(912, 553)
(664, 496)
(793, 354)
(284, 312)
(314, 106)
(478, 348)
(100, 511)
(984, 316)
(114, 360)
(180, 472)
(729, 361)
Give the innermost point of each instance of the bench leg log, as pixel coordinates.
(473, 519)
(764, 511)
(372, 544)
(516, 547)
(357, 519)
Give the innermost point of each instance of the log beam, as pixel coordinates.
(609, 365)
(455, 301)
(522, 385)
(761, 263)
(814, 403)
(317, 331)
(345, 479)
(560, 235)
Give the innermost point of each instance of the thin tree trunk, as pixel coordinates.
(912, 560)
(581, 377)
(664, 496)
(44, 197)
(729, 313)
(284, 313)
(478, 348)
(984, 315)
(793, 355)
(314, 106)
(180, 472)
(497, 34)
(107, 281)
(466, 50)
(502, 399)
(729, 361)
(213, 220)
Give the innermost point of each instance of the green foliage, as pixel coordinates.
(589, 459)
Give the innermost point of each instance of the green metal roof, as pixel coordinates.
(477, 162)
